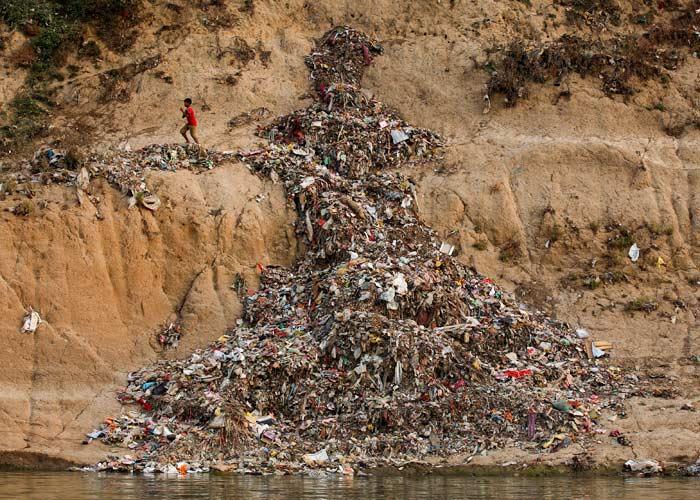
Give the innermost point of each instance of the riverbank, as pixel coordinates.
(510, 224)
(539, 467)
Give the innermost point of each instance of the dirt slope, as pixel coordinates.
(104, 288)
(536, 196)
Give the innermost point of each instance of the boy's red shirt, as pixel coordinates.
(189, 113)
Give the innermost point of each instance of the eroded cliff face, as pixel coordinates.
(104, 288)
(545, 197)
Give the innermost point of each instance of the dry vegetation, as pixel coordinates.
(620, 61)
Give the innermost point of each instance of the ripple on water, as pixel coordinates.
(78, 486)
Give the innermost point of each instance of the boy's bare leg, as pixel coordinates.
(183, 131)
(193, 133)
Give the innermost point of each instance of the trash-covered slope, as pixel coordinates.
(377, 347)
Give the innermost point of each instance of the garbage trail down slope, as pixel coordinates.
(377, 347)
(125, 170)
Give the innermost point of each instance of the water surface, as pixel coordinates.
(84, 486)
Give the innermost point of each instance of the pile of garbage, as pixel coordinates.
(345, 130)
(337, 64)
(122, 168)
(373, 137)
(378, 347)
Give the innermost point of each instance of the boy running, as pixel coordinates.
(191, 124)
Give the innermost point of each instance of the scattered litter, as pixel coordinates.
(151, 202)
(693, 469)
(644, 466)
(170, 335)
(398, 136)
(600, 348)
(518, 373)
(446, 248)
(83, 179)
(307, 181)
(561, 405)
(122, 168)
(620, 437)
(31, 322)
(597, 353)
(82, 182)
(634, 253)
(660, 263)
(316, 459)
(557, 442)
(400, 284)
(582, 333)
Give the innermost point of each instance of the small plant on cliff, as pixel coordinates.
(592, 282)
(26, 124)
(659, 229)
(510, 251)
(248, 6)
(621, 239)
(24, 209)
(74, 158)
(641, 304)
(553, 233)
(480, 245)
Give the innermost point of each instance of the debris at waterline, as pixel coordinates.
(377, 347)
(647, 467)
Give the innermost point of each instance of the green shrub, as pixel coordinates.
(54, 27)
(18, 13)
(26, 106)
(592, 282)
(623, 239)
(55, 24)
(641, 304)
(659, 229)
(553, 233)
(74, 158)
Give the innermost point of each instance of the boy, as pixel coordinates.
(191, 123)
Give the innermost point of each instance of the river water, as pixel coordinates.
(84, 486)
